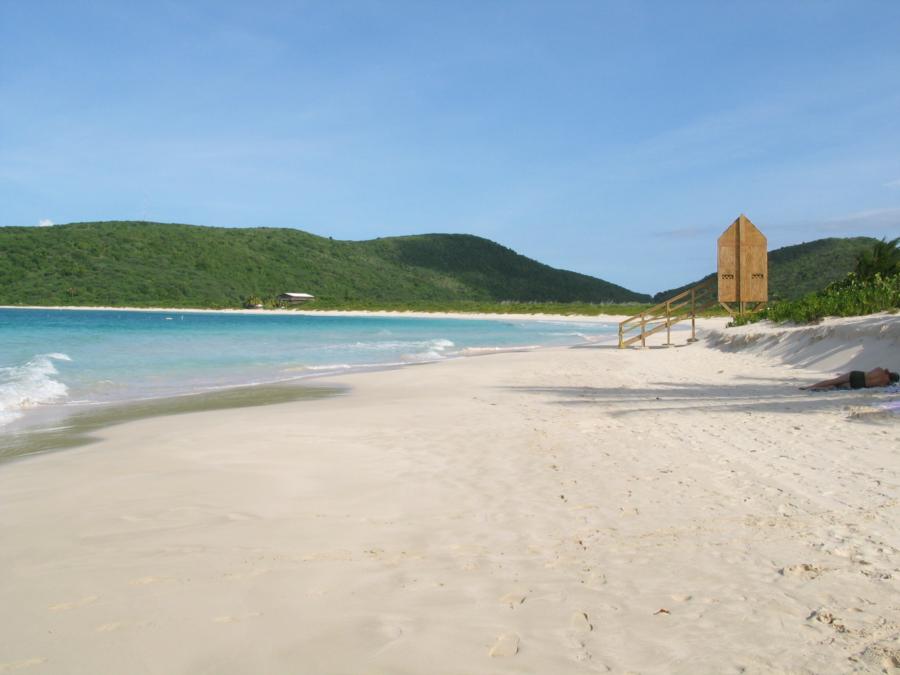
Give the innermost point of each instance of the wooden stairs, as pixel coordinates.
(685, 305)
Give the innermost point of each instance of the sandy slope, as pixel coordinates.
(558, 511)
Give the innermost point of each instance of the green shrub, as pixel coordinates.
(849, 297)
(873, 287)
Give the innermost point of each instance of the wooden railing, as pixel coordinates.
(685, 305)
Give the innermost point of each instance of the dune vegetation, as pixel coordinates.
(872, 286)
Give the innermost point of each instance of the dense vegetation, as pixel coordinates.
(873, 286)
(795, 271)
(849, 297)
(152, 264)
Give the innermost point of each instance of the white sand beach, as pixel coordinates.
(565, 510)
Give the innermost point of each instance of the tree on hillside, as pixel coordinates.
(883, 259)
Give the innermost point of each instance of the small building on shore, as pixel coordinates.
(295, 298)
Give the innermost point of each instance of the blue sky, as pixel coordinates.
(617, 139)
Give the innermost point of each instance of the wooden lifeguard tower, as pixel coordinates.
(741, 285)
(743, 272)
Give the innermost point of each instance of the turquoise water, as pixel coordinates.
(71, 358)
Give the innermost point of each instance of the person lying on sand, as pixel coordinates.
(857, 379)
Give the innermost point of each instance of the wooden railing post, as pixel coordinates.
(678, 308)
(668, 324)
(693, 315)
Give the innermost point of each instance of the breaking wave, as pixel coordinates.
(29, 385)
(432, 350)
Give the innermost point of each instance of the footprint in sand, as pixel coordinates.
(392, 628)
(513, 599)
(19, 665)
(593, 579)
(827, 618)
(883, 654)
(804, 570)
(581, 623)
(579, 626)
(63, 606)
(506, 645)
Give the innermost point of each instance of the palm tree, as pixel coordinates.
(883, 259)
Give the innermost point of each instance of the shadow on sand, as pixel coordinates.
(752, 394)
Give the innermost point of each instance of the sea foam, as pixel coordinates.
(431, 350)
(29, 385)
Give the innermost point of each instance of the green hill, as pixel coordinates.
(153, 264)
(797, 270)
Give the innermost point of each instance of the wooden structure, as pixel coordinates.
(743, 272)
(742, 279)
(295, 298)
(685, 305)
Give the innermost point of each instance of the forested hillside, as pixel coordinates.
(145, 264)
(797, 270)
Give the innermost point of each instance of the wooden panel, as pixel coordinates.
(754, 274)
(728, 265)
(754, 286)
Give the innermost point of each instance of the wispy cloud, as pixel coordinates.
(864, 221)
(686, 232)
(45, 222)
(893, 184)
(869, 221)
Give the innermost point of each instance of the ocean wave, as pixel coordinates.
(422, 357)
(327, 367)
(478, 351)
(29, 385)
(438, 344)
(582, 336)
(432, 350)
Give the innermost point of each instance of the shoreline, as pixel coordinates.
(78, 425)
(81, 421)
(66, 424)
(586, 318)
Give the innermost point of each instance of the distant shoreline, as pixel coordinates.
(412, 314)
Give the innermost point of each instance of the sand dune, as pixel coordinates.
(857, 343)
(582, 510)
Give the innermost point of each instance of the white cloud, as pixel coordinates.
(45, 222)
(893, 184)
